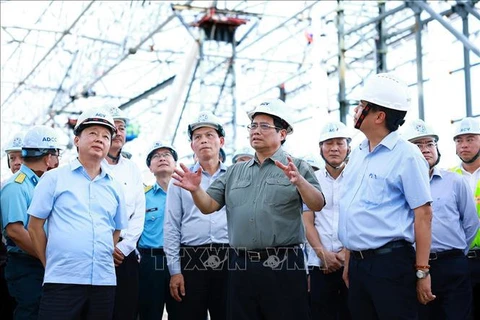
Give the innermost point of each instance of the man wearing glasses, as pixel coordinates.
(24, 271)
(467, 144)
(263, 199)
(454, 226)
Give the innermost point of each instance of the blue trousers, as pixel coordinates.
(383, 286)
(328, 295)
(452, 286)
(24, 276)
(154, 286)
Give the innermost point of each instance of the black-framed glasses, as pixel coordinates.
(262, 126)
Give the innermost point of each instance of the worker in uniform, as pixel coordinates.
(84, 208)
(385, 189)
(263, 200)
(154, 275)
(242, 155)
(467, 144)
(326, 254)
(14, 161)
(24, 271)
(454, 225)
(196, 245)
(128, 174)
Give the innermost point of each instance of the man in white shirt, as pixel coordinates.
(326, 254)
(128, 174)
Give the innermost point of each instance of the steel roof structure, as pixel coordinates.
(163, 61)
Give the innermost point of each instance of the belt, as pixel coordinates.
(387, 248)
(264, 254)
(446, 254)
(473, 254)
(208, 246)
(152, 251)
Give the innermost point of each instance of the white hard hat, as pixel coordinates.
(40, 140)
(206, 119)
(313, 160)
(386, 90)
(276, 108)
(244, 152)
(334, 129)
(15, 144)
(118, 114)
(159, 145)
(418, 129)
(99, 116)
(467, 126)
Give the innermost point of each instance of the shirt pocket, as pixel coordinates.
(376, 188)
(239, 193)
(279, 191)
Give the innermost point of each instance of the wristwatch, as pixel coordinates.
(422, 274)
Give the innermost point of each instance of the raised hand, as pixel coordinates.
(290, 171)
(187, 179)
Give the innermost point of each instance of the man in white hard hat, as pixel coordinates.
(326, 254)
(128, 174)
(24, 270)
(454, 226)
(154, 276)
(14, 153)
(85, 210)
(242, 155)
(467, 144)
(195, 244)
(263, 200)
(385, 190)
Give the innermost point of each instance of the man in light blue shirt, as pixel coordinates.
(154, 275)
(385, 189)
(24, 271)
(85, 209)
(454, 227)
(193, 240)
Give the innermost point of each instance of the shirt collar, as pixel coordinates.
(388, 142)
(436, 172)
(29, 173)
(104, 170)
(195, 167)
(157, 187)
(279, 155)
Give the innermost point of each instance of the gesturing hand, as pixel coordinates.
(290, 171)
(187, 179)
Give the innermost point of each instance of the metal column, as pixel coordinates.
(380, 46)
(343, 107)
(419, 58)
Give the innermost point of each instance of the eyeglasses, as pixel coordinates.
(428, 145)
(165, 155)
(262, 126)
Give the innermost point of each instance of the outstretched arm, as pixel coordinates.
(190, 181)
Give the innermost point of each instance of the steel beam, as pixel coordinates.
(466, 42)
(341, 62)
(147, 93)
(376, 19)
(419, 55)
(66, 32)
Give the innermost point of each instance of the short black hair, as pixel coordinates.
(394, 118)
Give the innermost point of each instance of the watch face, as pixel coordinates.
(421, 274)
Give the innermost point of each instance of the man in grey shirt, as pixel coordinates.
(263, 199)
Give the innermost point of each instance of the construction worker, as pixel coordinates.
(242, 155)
(385, 189)
(326, 254)
(85, 210)
(154, 275)
(196, 245)
(467, 144)
(14, 161)
(454, 226)
(14, 153)
(263, 199)
(128, 174)
(24, 271)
